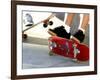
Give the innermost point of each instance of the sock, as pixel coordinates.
(67, 28)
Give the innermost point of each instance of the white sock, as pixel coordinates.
(67, 28)
(81, 18)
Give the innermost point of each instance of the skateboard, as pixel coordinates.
(45, 21)
(68, 48)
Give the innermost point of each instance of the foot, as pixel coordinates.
(59, 31)
(79, 35)
(28, 21)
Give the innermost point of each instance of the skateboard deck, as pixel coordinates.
(69, 48)
(45, 21)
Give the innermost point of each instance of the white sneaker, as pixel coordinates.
(28, 21)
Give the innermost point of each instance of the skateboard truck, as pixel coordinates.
(47, 23)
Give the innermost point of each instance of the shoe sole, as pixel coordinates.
(52, 33)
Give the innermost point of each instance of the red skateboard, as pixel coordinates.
(69, 48)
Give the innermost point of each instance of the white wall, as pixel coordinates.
(5, 32)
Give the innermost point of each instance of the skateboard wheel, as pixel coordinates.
(50, 22)
(24, 36)
(51, 53)
(45, 25)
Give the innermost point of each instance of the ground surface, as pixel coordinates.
(37, 56)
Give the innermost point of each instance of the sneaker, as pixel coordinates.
(79, 35)
(28, 21)
(61, 32)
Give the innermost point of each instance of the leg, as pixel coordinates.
(85, 21)
(80, 34)
(69, 19)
